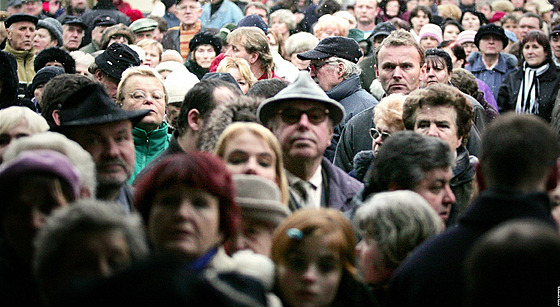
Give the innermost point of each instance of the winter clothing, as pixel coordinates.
(9, 79)
(55, 54)
(228, 12)
(362, 161)
(148, 146)
(91, 47)
(116, 59)
(546, 90)
(431, 30)
(196, 69)
(491, 29)
(118, 29)
(43, 76)
(206, 38)
(338, 46)
(462, 183)
(173, 148)
(54, 27)
(253, 20)
(338, 188)
(354, 99)
(19, 17)
(494, 78)
(432, 274)
(172, 39)
(25, 70)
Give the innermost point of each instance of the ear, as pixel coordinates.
(340, 70)
(253, 57)
(479, 178)
(423, 70)
(376, 71)
(459, 142)
(56, 117)
(552, 180)
(194, 120)
(98, 75)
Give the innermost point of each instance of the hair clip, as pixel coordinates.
(295, 233)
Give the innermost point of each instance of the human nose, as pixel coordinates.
(311, 274)
(251, 166)
(304, 121)
(111, 148)
(397, 73)
(104, 268)
(448, 197)
(38, 219)
(433, 130)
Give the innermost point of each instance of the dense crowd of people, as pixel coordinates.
(280, 153)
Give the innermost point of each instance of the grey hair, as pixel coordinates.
(83, 216)
(285, 16)
(80, 158)
(397, 221)
(300, 42)
(350, 68)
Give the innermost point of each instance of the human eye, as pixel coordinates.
(436, 188)
(297, 263)
(388, 66)
(265, 161)
(200, 202)
(406, 66)
(158, 95)
(327, 265)
(237, 158)
(138, 95)
(443, 125)
(422, 124)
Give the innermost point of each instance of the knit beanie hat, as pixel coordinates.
(178, 83)
(431, 30)
(466, 36)
(43, 76)
(55, 54)
(54, 27)
(206, 38)
(253, 20)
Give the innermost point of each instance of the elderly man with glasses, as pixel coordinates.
(303, 117)
(334, 67)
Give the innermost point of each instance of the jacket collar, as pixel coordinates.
(345, 88)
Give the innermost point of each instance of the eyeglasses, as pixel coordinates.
(317, 66)
(374, 133)
(315, 115)
(140, 95)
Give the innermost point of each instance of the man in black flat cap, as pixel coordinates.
(334, 67)
(20, 30)
(73, 32)
(110, 65)
(100, 23)
(91, 118)
(302, 117)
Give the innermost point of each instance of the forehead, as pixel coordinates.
(529, 21)
(438, 113)
(187, 2)
(438, 174)
(142, 80)
(20, 24)
(301, 104)
(398, 54)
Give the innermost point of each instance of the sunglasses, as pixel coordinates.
(374, 133)
(317, 66)
(315, 115)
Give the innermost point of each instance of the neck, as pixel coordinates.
(301, 168)
(189, 27)
(365, 26)
(257, 70)
(490, 59)
(188, 141)
(109, 192)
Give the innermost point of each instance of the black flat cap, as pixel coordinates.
(116, 59)
(73, 20)
(338, 46)
(19, 18)
(91, 105)
(104, 20)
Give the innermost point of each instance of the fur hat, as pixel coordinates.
(118, 29)
(54, 27)
(55, 54)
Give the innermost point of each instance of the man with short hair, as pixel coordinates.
(411, 161)
(251, 44)
(400, 68)
(100, 24)
(33, 7)
(365, 12)
(110, 65)
(334, 68)
(20, 30)
(491, 65)
(143, 28)
(302, 117)
(14, 7)
(91, 118)
(518, 166)
(72, 32)
(256, 8)
(529, 22)
(442, 111)
(178, 38)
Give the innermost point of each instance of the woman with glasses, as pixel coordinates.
(387, 119)
(142, 88)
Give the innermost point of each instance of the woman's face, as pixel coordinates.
(384, 131)
(470, 22)
(310, 274)
(428, 42)
(450, 33)
(203, 55)
(371, 260)
(469, 48)
(534, 53)
(152, 57)
(392, 8)
(328, 32)
(118, 38)
(185, 221)
(280, 26)
(145, 93)
(243, 84)
(419, 21)
(42, 40)
(410, 5)
(12, 134)
(249, 154)
(436, 72)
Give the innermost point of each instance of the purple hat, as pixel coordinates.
(42, 162)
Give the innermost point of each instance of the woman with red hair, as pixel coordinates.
(187, 201)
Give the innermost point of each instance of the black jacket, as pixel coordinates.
(549, 84)
(432, 275)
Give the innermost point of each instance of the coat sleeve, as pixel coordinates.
(505, 98)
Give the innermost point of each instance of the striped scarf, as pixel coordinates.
(527, 101)
(185, 39)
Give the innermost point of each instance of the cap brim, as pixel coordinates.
(380, 33)
(133, 115)
(313, 55)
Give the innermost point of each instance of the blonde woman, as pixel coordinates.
(329, 25)
(250, 148)
(240, 70)
(153, 50)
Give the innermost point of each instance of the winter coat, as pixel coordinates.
(340, 188)
(228, 12)
(354, 99)
(25, 68)
(494, 78)
(549, 83)
(148, 145)
(172, 38)
(462, 183)
(432, 274)
(9, 79)
(196, 69)
(173, 148)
